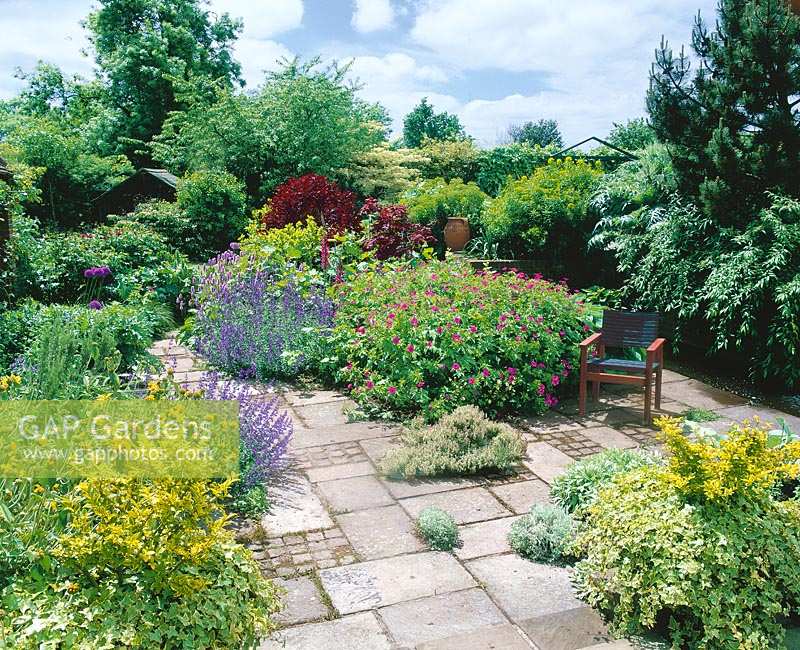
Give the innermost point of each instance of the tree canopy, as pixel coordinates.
(541, 133)
(733, 126)
(423, 122)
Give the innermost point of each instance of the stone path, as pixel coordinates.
(340, 538)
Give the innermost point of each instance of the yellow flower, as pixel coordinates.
(103, 398)
(15, 378)
(3, 383)
(153, 387)
(38, 489)
(150, 398)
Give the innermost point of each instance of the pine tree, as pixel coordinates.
(733, 125)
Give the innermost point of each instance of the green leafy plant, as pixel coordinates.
(700, 415)
(426, 338)
(438, 529)
(546, 213)
(462, 442)
(578, 487)
(498, 166)
(700, 549)
(543, 535)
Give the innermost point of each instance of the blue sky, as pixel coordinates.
(493, 62)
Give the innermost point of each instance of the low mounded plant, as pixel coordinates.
(438, 528)
(700, 549)
(462, 442)
(426, 338)
(543, 535)
(578, 486)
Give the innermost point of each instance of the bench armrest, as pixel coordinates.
(592, 340)
(656, 345)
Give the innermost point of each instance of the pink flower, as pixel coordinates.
(456, 366)
(434, 308)
(550, 400)
(410, 347)
(403, 307)
(420, 384)
(456, 338)
(414, 321)
(428, 293)
(439, 330)
(428, 344)
(370, 384)
(485, 372)
(511, 371)
(471, 381)
(541, 390)
(457, 320)
(473, 329)
(361, 330)
(555, 380)
(392, 315)
(396, 340)
(350, 365)
(392, 390)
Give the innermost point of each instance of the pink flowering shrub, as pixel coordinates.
(428, 338)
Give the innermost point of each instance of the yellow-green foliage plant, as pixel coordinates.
(145, 564)
(297, 243)
(701, 549)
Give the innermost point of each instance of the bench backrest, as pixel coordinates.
(629, 329)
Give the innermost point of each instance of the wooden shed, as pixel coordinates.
(144, 185)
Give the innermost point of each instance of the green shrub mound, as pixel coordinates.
(462, 442)
(578, 486)
(543, 535)
(438, 529)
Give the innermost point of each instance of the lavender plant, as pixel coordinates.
(254, 325)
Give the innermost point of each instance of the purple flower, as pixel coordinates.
(235, 246)
(95, 304)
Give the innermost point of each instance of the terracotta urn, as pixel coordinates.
(456, 233)
(795, 4)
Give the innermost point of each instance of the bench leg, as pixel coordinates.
(595, 391)
(648, 396)
(582, 397)
(658, 389)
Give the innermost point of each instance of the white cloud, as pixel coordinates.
(258, 56)
(596, 55)
(372, 15)
(263, 18)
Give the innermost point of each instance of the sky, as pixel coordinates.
(584, 63)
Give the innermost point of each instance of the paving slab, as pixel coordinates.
(546, 461)
(616, 416)
(356, 493)
(484, 538)
(376, 448)
(523, 589)
(295, 509)
(310, 397)
(568, 630)
(345, 470)
(380, 532)
(380, 583)
(609, 438)
(328, 435)
(301, 602)
(357, 632)
(520, 496)
(551, 422)
(614, 645)
(498, 637)
(439, 617)
(403, 489)
(699, 395)
(764, 413)
(465, 506)
(323, 414)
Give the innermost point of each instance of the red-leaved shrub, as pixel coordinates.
(391, 233)
(315, 196)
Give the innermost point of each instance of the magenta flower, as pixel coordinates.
(457, 320)
(410, 347)
(471, 381)
(414, 322)
(541, 390)
(396, 340)
(420, 384)
(392, 390)
(473, 329)
(456, 366)
(95, 304)
(555, 380)
(457, 338)
(361, 330)
(485, 372)
(428, 344)
(370, 384)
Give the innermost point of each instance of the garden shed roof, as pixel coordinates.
(147, 183)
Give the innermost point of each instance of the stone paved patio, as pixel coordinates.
(340, 539)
